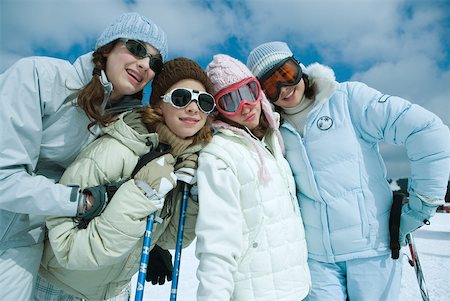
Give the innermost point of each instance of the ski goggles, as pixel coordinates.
(138, 50)
(182, 97)
(286, 73)
(231, 100)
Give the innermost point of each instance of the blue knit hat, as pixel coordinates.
(137, 27)
(267, 55)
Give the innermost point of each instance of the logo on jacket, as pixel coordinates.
(324, 123)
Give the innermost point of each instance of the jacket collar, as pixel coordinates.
(84, 66)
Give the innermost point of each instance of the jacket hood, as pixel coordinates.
(139, 143)
(324, 79)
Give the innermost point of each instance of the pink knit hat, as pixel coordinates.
(225, 71)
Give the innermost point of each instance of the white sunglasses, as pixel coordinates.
(182, 97)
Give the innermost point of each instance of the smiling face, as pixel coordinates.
(127, 73)
(291, 96)
(187, 121)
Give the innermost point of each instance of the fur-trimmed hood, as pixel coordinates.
(324, 79)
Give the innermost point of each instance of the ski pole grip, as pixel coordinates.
(394, 224)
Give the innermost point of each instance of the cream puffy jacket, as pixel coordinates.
(96, 263)
(250, 237)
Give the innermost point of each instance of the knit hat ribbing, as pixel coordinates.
(265, 56)
(174, 71)
(137, 27)
(225, 71)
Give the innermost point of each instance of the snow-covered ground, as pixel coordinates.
(433, 245)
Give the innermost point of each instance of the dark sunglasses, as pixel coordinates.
(286, 73)
(138, 49)
(182, 97)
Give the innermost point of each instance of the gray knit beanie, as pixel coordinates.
(265, 56)
(137, 27)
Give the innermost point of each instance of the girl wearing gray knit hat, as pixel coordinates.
(52, 109)
(331, 133)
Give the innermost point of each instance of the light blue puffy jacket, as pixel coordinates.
(343, 193)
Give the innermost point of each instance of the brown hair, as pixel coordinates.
(91, 96)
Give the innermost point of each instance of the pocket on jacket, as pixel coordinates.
(348, 211)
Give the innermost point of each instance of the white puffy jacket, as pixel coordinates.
(250, 237)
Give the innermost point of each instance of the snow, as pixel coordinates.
(433, 246)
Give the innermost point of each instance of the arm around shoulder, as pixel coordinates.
(108, 237)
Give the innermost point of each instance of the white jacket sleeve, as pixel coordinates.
(218, 229)
(394, 120)
(25, 95)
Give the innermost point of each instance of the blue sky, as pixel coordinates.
(400, 47)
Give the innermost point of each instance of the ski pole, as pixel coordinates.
(161, 150)
(144, 258)
(414, 261)
(176, 264)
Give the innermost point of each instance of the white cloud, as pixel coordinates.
(51, 24)
(193, 30)
(357, 33)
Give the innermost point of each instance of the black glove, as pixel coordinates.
(159, 266)
(98, 197)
